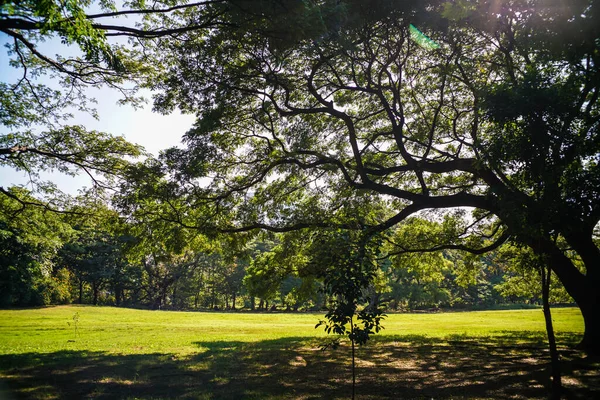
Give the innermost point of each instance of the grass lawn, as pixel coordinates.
(111, 353)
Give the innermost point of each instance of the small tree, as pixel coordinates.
(346, 264)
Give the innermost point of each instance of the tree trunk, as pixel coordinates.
(118, 295)
(582, 288)
(590, 311)
(163, 298)
(233, 301)
(374, 302)
(80, 291)
(95, 293)
(353, 357)
(587, 296)
(546, 274)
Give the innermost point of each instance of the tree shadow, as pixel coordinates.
(511, 366)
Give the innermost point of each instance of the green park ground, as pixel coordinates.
(82, 352)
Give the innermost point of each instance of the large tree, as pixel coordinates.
(495, 110)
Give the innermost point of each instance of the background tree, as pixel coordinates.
(264, 278)
(30, 240)
(95, 254)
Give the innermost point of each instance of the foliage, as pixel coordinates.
(21, 274)
(263, 278)
(319, 128)
(346, 264)
(278, 270)
(93, 255)
(522, 275)
(30, 238)
(36, 110)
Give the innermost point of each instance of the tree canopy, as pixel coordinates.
(38, 132)
(36, 110)
(318, 126)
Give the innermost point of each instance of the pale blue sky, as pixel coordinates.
(151, 130)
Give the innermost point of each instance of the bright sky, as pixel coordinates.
(151, 130)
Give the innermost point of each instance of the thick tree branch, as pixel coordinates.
(486, 249)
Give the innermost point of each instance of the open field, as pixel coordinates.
(122, 353)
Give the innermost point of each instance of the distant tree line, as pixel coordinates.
(92, 255)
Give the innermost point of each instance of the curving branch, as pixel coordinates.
(25, 203)
(503, 238)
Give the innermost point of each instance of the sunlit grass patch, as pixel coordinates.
(121, 353)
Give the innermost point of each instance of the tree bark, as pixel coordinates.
(213, 299)
(590, 310)
(587, 296)
(582, 288)
(174, 299)
(95, 293)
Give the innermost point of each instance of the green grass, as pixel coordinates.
(127, 331)
(124, 353)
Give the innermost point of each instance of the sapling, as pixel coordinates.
(348, 268)
(75, 325)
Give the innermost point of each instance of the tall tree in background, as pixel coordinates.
(497, 112)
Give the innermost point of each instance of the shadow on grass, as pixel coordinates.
(502, 367)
